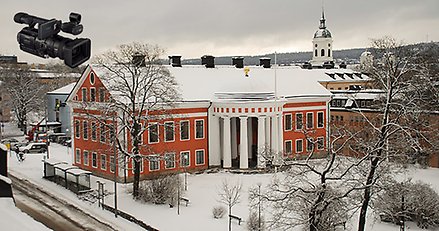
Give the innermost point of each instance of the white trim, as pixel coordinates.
(306, 120)
(88, 158)
(95, 94)
(323, 125)
(83, 132)
(97, 157)
(94, 78)
(173, 130)
(295, 121)
(189, 159)
(156, 160)
(298, 146)
(285, 122)
(105, 166)
(82, 94)
(195, 129)
(285, 146)
(76, 155)
(204, 157)
(309, 141)
(311, 108)
(158, 132)
(169, 153)
(91, 131)
(77, 131)
(323, 145)
(114, 160)
(189, 130)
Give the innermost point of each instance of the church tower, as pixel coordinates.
(322, 44)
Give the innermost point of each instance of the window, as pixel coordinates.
(86, 158)
(329, 52)
(199, 129)
(153, 133)
(94, 160)
(309, 144)
(101, 94)
(78, 156)
(288, 147)
(102, 137)
(170, 160)
(154, 163)
(322, 52)
(85, 133)
(92, 78)
(140, 164)
(84, 94)
(316, 52)
(309, 120)
(77, 129)
(299, 146)
(184, 130)
(299, 121)
(169, 131)
(93, 131)
(199, 156)
(288, 122)
(103, 162)
(92, 94)
(112, 164)
(112, 132)
(320, 143)
(320, 119)
(184, 159)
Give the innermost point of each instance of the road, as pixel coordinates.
(51, 211)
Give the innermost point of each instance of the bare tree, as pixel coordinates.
(230, 195)
(142, 90)
(25, 91)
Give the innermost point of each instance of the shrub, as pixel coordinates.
(218, 211)
(253, 222)
(421, 204)
(160, 190)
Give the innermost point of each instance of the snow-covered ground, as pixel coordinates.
(202, 192)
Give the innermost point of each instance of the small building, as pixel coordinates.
(58, 110)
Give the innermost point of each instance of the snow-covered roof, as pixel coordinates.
(63, 90)
(3, 147)
(77, 172)
(344, 75)
(5, 179)
(200, 83)
(371, 94)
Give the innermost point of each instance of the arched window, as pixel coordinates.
(315, 53)
(322, 52)
(329, 52)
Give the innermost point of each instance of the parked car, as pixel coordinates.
(34, 148)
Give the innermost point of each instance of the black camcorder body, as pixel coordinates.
(45, 42)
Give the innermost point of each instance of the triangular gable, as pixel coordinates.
(85, 82)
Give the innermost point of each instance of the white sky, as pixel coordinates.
(193, 28)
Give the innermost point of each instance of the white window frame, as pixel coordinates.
(173, 131)
(157, 160)
(92, 100)
(196, 157)
(312, 119)
(102, 92)
(103, 162)
(78, 156)
(84, 130)
(102, 133)
(188, 130)
(297, 124)
(84, 96)
(309, 141)
(78, 129)
(86, 163)
(112, 164)
(166, 160)
(149, 133)
(297, 145)
(94, 78)
(181, 159)
(92, 155)
(291, 145)
(323, 118)
(195, 129)
(93, 126)
(323, 142)
(291, 121)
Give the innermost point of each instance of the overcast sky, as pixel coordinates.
(193, 28)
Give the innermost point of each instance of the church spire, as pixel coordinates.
(323, 20)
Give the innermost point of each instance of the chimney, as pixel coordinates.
(208, 61)
(238, 62)
(175, 60)
(265, 62)
(139, 60)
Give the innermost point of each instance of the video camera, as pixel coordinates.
(45, 42)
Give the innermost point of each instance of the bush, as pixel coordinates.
(421, 204)
(160, 190)
(253, 222)
(218, 211)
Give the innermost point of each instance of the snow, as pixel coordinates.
(11, 218)
(202, 192)
(5, 179)
(63, 90)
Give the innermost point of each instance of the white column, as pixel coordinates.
(249, 136)
(243, 160)
(274, 134)
(234, 138)
(261, 141)
(214, 141)
(227, 161)
(267, 133)
(280, 133)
